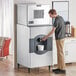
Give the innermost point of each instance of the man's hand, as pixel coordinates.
(44, 38)
(50, 33)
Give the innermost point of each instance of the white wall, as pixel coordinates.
(37, 1)
(72, 7)
(34, 1)
(72, 12)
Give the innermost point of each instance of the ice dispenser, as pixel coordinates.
(40, 47)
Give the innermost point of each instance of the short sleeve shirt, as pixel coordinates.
(60, 27)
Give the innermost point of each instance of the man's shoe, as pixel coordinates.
(60, 72)
(55, 70)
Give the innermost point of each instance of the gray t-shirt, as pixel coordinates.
(60, 27)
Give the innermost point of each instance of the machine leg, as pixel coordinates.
(29, 70)
(18, 66)
(49, 68)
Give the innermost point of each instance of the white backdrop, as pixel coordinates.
(72, 7)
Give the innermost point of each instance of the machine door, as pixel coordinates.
(38, 15)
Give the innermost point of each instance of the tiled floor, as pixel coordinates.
(7, 69)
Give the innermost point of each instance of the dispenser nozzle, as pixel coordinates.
(39, 39)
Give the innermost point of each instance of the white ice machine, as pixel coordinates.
(33, 23)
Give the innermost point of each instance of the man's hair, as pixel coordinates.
(52, 11)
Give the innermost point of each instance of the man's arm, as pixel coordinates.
(50, 33)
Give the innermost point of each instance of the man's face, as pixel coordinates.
(52, 16)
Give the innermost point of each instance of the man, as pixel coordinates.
(59, 29)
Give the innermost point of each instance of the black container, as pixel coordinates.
(67, 29)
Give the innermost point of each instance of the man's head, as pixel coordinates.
(52, 13)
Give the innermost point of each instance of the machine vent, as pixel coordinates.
(38, 14)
